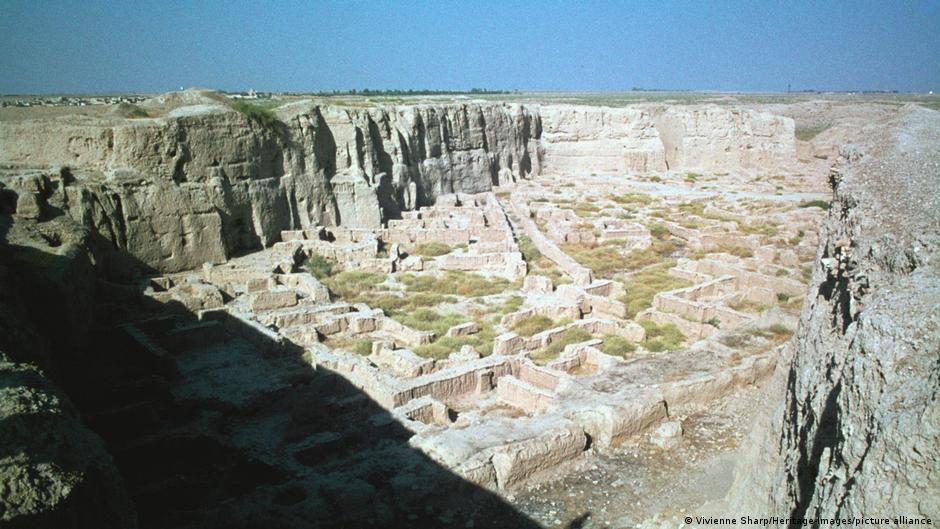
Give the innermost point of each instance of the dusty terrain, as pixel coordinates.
(527, 312)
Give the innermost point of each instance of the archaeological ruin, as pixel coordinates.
(467, 312)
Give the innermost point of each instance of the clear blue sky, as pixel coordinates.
(97, 46)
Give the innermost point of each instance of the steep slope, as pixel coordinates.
(854, 429)
(205, 182)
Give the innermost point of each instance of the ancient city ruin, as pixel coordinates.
(468, 313)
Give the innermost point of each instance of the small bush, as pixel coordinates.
(259, 114)
(532, 325)
(432, 249)
(320, 267)
(617, 346)
(138, 113)
(658, 230)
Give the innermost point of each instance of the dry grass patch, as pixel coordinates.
(566, 338)
(776, 333)
(744, 305)
(532, 325)
(455, 282)
(631, 198)
(432, 249)
(643, 285)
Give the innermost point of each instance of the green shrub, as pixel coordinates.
(617, 346)
(138, 112)
(643, 285)
(320, 267)
(259, 114)
(658, 230)
(632, 198)
(661, 337)
(532, 325)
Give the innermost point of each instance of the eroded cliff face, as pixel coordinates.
(201, 185)
(205, 182)
(650, 138)
(854, 428)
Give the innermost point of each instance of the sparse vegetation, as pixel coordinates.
(808, 132)
(744, 305)
(362, 347)
(454, 282)
(658, 230)
(441, 347)
(806, 273)
(631, 198)
(617, 346)
(735, 249)
(753, 229)
(320, 267)
(564, 339)
(532, 325)
(643, 285)
(351, 284)
(432, 249)
(821, 204)
(776, 333)
(585, 209)
(430, 320)
(261, 115)
(661, 337)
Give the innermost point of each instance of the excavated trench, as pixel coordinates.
(212, 423)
